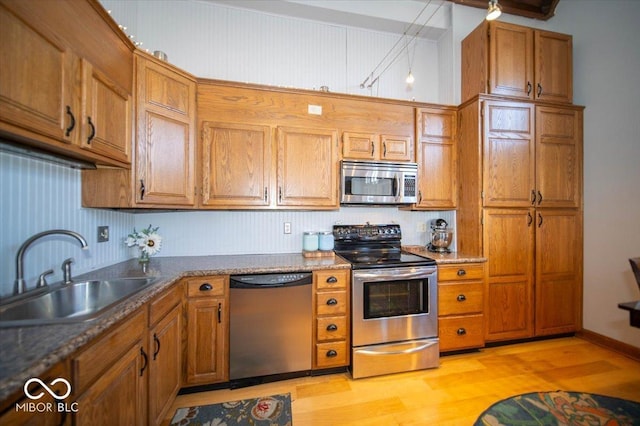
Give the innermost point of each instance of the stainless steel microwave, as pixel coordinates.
(378, 183)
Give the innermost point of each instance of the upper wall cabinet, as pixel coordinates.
(511, 60)
(371, 146)
(65, 87)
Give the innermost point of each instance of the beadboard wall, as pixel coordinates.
(38, 196)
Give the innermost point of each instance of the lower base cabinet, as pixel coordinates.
(207, 330)
(460, 306)
(331, 318)
(132, 374)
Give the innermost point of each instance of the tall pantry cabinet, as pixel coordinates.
(520, 183)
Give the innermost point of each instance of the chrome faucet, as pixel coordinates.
(20, 286)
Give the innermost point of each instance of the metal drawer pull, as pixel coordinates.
(461, 332)
(462, 272)
(461, 298)
(331, 353)
(332, 280)
(332, 302)
(332, 327)
(145, 359)
(205, 287)
(156, 341)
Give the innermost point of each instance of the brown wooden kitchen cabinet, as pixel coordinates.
(436, 130)
(163, 173)
(64, 89)
(165, 352)
(307, 168)
(207, 330)
(505, 59)
(522, 163)
(331, 307)
(460, 306)
(236, 165)
(375, 147)
(109, 378)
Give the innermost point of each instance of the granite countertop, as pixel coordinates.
(444, 258)
(27, 352)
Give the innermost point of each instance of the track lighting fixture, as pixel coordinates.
(494, 10)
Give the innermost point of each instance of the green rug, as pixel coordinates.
(274, 410)
(561, 408)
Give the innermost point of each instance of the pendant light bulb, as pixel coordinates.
(410, 78)
(494, 10)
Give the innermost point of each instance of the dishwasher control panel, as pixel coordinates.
(271, 280)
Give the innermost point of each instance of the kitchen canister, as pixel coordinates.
(325, 240)
(310, 241)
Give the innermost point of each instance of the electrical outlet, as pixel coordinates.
(103, 234)
(287, 227)
(422, 226)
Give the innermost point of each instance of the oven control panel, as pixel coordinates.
(367, 232)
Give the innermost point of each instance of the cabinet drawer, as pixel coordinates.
(457, 299)
(206, 286)
(107, 350)
(335, 279)
(462, 332)
(331, 328)
(331, 354)
(164, 304)
(331, 303)
(460, 271)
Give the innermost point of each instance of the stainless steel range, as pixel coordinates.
(394, 300)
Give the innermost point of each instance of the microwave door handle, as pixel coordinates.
(396, 186)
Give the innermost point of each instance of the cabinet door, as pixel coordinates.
(510, 60)
(509, 154)
(360, 146)
(558, 271)
(396, 148)
(206, 341)
(436, 158)
(36, 88)
(553, 66)
(165, 144)
(117, 397)
(307, 171)
(509, 246)
(106, 122)
(165, 364)
(236, 165)
(558, 157)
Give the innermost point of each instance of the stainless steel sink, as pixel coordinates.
(75, 302)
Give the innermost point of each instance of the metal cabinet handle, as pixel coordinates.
(156, 341)
(539, 220)
(533, 197)
(529, 87)
(384, 149)
(332, 302)
(219, 313)
(461, 298)
(93, 131)
(145, 359)
(142, 189)
(529, 219)
(266, 195)
(332, 327)
(539, 198)
(461, 272)
(539, 89)
(332, 280)
(72, 122)
(461, 331)
(331, 353)
(205, 287)
(372, 148)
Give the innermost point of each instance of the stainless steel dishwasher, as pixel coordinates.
(270, 325)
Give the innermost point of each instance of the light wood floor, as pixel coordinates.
(455, 393)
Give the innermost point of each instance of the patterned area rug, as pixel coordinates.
(274, 410)
(561, 408)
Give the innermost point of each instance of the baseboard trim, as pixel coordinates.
(609, 343)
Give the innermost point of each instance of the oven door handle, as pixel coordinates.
(402, 352)
(384, 275)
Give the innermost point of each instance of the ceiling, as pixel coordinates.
(537, 9)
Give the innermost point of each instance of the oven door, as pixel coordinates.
(394, 304)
